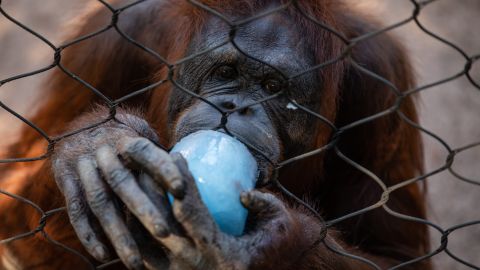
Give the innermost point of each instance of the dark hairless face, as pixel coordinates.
(230, 79)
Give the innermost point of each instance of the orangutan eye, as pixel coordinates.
(227, 72)
(272, 85)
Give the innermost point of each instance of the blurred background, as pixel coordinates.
(450, 110)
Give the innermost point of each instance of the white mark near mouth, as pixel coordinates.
(291, 106)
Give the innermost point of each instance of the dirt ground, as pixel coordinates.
(450, 110)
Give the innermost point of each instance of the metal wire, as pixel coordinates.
(117, 15)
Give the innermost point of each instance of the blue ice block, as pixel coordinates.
(223, 168)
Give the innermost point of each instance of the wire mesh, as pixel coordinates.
(113, 104)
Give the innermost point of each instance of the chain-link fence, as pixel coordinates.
(349, 45)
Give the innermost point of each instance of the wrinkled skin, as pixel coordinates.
(119, 163)
(188, 232)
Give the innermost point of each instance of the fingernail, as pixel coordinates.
(178, 189)
(135, 262)
(160, 231)
(101, 253)
(244, 197)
